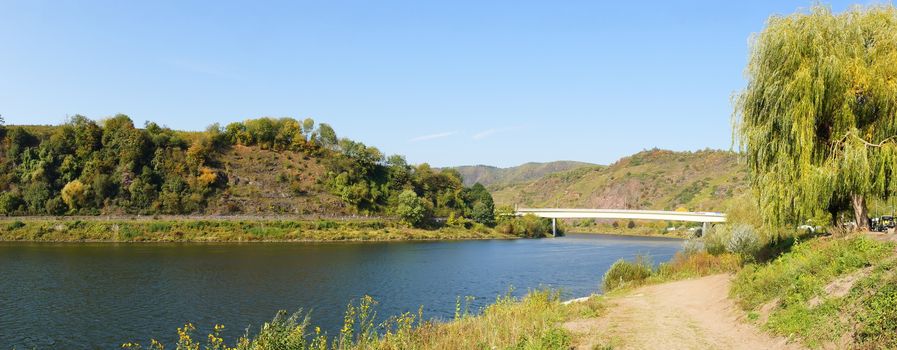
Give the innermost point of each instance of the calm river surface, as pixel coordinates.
(99, 295)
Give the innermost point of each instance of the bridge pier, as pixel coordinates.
(705, 228)
(554, 227)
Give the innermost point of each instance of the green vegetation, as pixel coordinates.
(652, 179)
(623, 273)
(229, 230)
(633, 227)
(817, 123)
(491, 176)
(818, 117)
(259, 166)
(828, 292)
(531, 322)
(687, 264)
(529, 225)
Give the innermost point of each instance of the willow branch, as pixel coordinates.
(869, 144)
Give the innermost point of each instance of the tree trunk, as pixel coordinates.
(859, 211)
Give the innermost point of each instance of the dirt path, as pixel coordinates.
(689, 314)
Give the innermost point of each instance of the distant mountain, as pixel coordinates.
(491, 176)
(654, 179)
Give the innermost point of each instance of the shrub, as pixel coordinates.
(9, 203)
(15, 225)
(159, 227)
(743, 240)
(55, 206)
(716, 239)
(326, 225)
(411, 208)
(692, 246)
(624, 273)
(529, 226)
(75, 194)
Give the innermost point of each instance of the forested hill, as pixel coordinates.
(491, 176)
(260, 166)
(654, 179)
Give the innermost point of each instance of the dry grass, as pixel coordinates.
(273, 182)
(532, 322)
(49, 230)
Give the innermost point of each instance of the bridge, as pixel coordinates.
(706, 218)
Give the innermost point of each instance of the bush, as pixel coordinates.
(55, 206)
(716, 239)
(623, 273)
(15, 225)
(692, 246)
(743, 240)
(75, 194)
(529, 226)
(9, 203)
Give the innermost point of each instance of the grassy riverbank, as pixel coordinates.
(822, 292)
(830, 292)
(531, 322)
(227, 230)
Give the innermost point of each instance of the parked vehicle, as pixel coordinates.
(882, 223)
(810, 228)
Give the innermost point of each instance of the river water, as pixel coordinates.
(99, 295)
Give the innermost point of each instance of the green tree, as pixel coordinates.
(411, 208)
(87, 136)
(818, 117)
(399, 172)
(308, 126)
(36, 195)
(482, 207)
(9, 203)
(55, 206)
(327, 136)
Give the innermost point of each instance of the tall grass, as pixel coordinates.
(685, 264)
(531, 322)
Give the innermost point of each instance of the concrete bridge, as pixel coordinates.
(566, 213)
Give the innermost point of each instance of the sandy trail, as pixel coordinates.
(689, 314)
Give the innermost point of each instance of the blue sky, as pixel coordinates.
(449, 83)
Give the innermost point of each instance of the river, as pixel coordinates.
(99, 295)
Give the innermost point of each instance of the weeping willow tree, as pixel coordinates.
(817, 118)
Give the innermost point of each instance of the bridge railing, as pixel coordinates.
(573, 213)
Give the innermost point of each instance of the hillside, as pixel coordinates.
(265, 182)
(654, 179)
(491, 176)
(258, 167)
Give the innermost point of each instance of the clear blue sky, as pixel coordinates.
(449, 83)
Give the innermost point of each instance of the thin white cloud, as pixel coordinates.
(489, 132)
(433, 136)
